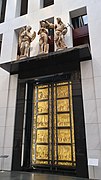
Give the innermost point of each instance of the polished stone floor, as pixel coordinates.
(34, 176)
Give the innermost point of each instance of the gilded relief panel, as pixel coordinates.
(42, 136)
(62, 91)
(63, 120)
(43, 107)
(42, 121)
(42, 94)
(64, 153)
(41, 152)
(64, 136)
(63, 105)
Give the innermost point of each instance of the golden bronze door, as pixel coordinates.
(53, 141)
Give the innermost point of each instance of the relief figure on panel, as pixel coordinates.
(24, 40)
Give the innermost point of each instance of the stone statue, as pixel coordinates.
(43, 40)
(24, 41)
(60, 32)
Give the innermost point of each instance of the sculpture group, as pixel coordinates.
(26, 37)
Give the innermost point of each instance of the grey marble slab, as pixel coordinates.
(34, 176)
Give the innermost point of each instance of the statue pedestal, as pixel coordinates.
(22, 57)
(60, 49)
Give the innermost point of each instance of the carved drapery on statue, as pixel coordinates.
(24, 41)
(60, 32)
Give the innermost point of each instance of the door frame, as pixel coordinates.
(79, 125)
(52, 88)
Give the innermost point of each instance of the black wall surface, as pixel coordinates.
(17, 146)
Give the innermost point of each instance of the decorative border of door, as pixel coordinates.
(79, 167)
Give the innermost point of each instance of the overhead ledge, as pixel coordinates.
(68, 56)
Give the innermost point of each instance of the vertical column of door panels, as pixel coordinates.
(63, 125)
(41, 141)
